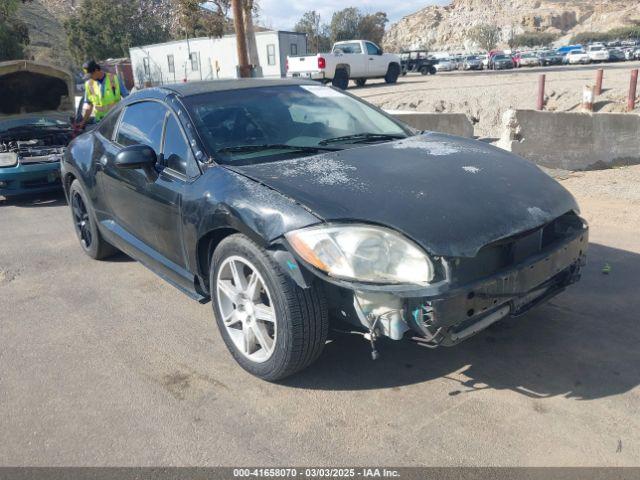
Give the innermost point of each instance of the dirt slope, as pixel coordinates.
(446, 27)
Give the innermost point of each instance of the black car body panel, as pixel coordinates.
(503, 235)
(435, 188)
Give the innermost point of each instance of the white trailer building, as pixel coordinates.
(207, 58)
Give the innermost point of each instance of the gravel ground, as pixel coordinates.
(486, 95)
(610, 199)
(103, 363)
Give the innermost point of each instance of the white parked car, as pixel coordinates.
(446, 65)
(578, 56)
(356, 60)
(598, 53)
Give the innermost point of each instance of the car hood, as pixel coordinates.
(451, 195)
(30, 87)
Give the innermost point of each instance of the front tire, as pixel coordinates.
(360, 82)
(393, 72)
(86, 226)
(272, 327)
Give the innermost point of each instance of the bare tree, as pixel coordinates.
(317, 32)
(191, 18)
(485, 35)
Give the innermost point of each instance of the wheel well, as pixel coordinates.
(207, 245)
(344, 66)
(67, 181)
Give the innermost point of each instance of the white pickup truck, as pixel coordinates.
(356, 60)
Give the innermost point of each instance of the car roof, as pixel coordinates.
(198, 88)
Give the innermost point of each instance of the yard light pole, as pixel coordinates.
(241, 41)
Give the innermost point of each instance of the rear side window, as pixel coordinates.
(176, 152)
(348, 48)
(142, 125)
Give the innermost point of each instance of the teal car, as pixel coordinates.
(35, 111)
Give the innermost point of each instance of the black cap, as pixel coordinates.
(90, 66)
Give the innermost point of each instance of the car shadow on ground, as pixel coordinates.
(582, 345)
(50, 199)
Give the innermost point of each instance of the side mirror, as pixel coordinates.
(138, 157)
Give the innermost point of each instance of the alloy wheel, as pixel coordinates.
(246, 308)
(81, 219)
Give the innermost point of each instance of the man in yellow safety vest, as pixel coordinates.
(102, 91)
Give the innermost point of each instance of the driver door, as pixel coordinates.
(144, 211)
(376, 63)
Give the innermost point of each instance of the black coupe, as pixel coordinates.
(296, 207)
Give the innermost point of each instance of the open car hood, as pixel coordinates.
(29, 87)
(451, 195)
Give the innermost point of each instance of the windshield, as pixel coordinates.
(263, 124)
(500, 57)
(38, 122)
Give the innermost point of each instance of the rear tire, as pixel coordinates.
(424, 70)
(299, 325)
(393, 72)
(86, 226)
(360, 82)
(341, 79)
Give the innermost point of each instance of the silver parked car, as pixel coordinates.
(472, 62)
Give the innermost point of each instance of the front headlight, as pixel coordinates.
(8, 159)
(362, 253)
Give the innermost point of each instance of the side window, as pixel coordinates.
(271, 54)
(107, 125)
(176, 150)
(372, 49)
(142, 125)
(195, 61)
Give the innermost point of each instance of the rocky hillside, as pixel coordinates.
(48, 40)
(446, 27)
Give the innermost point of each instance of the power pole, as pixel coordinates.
(241, 40)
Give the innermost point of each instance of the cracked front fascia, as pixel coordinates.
(420, 188)
(443, 288)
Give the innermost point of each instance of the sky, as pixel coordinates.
(283, 14)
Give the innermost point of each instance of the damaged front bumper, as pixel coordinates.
(443, 314)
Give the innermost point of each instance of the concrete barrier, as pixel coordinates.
(452, 123)
(573, 141)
